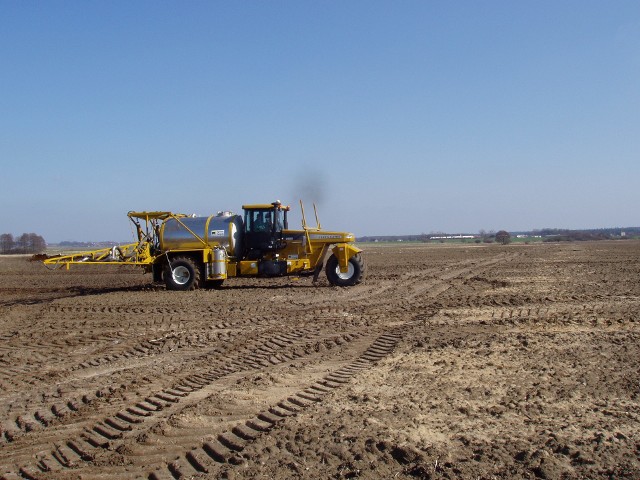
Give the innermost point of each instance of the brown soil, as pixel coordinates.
(446, 362)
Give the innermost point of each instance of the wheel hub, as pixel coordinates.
(345, 275)
(180, 275)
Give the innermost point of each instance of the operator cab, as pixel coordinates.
(263, 227)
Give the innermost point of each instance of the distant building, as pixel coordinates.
(449, 237)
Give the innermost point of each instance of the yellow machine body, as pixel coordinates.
(188, 251)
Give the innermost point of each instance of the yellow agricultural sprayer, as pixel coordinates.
(187, 252)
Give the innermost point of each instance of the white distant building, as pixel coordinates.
(448, 237)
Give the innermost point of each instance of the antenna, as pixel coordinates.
(317, 221)
(304, 220)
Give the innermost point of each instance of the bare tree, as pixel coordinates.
(22, 243)
(30, 243)
(6, 243)
(38, 245)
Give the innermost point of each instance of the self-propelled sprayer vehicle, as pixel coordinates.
(187, 252)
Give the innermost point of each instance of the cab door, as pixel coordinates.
(263, 232)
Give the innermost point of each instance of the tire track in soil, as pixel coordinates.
(142, 353)
(157, 405)
(106, 389)
(210, 455)
(413, 292)
(223, 449)
(26, 424)
(224, 331)
(226, 448)
(133, 419)
(124, 349)
(23, 421)
(146, 347)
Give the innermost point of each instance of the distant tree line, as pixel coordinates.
(598, 233)
(504, 237)
(576, 236)
(25, 243)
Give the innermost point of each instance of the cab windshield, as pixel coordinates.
(265, 220)
(259, 220)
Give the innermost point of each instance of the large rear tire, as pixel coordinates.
(351, 277)
(182, 273)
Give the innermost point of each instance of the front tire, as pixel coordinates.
(351, 277)
(181, 273)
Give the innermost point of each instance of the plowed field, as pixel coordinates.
(446, 362)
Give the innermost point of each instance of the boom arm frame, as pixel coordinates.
(142, 253)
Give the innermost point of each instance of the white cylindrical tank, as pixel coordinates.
(219, 264)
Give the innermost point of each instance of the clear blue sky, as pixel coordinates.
(396, 117)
